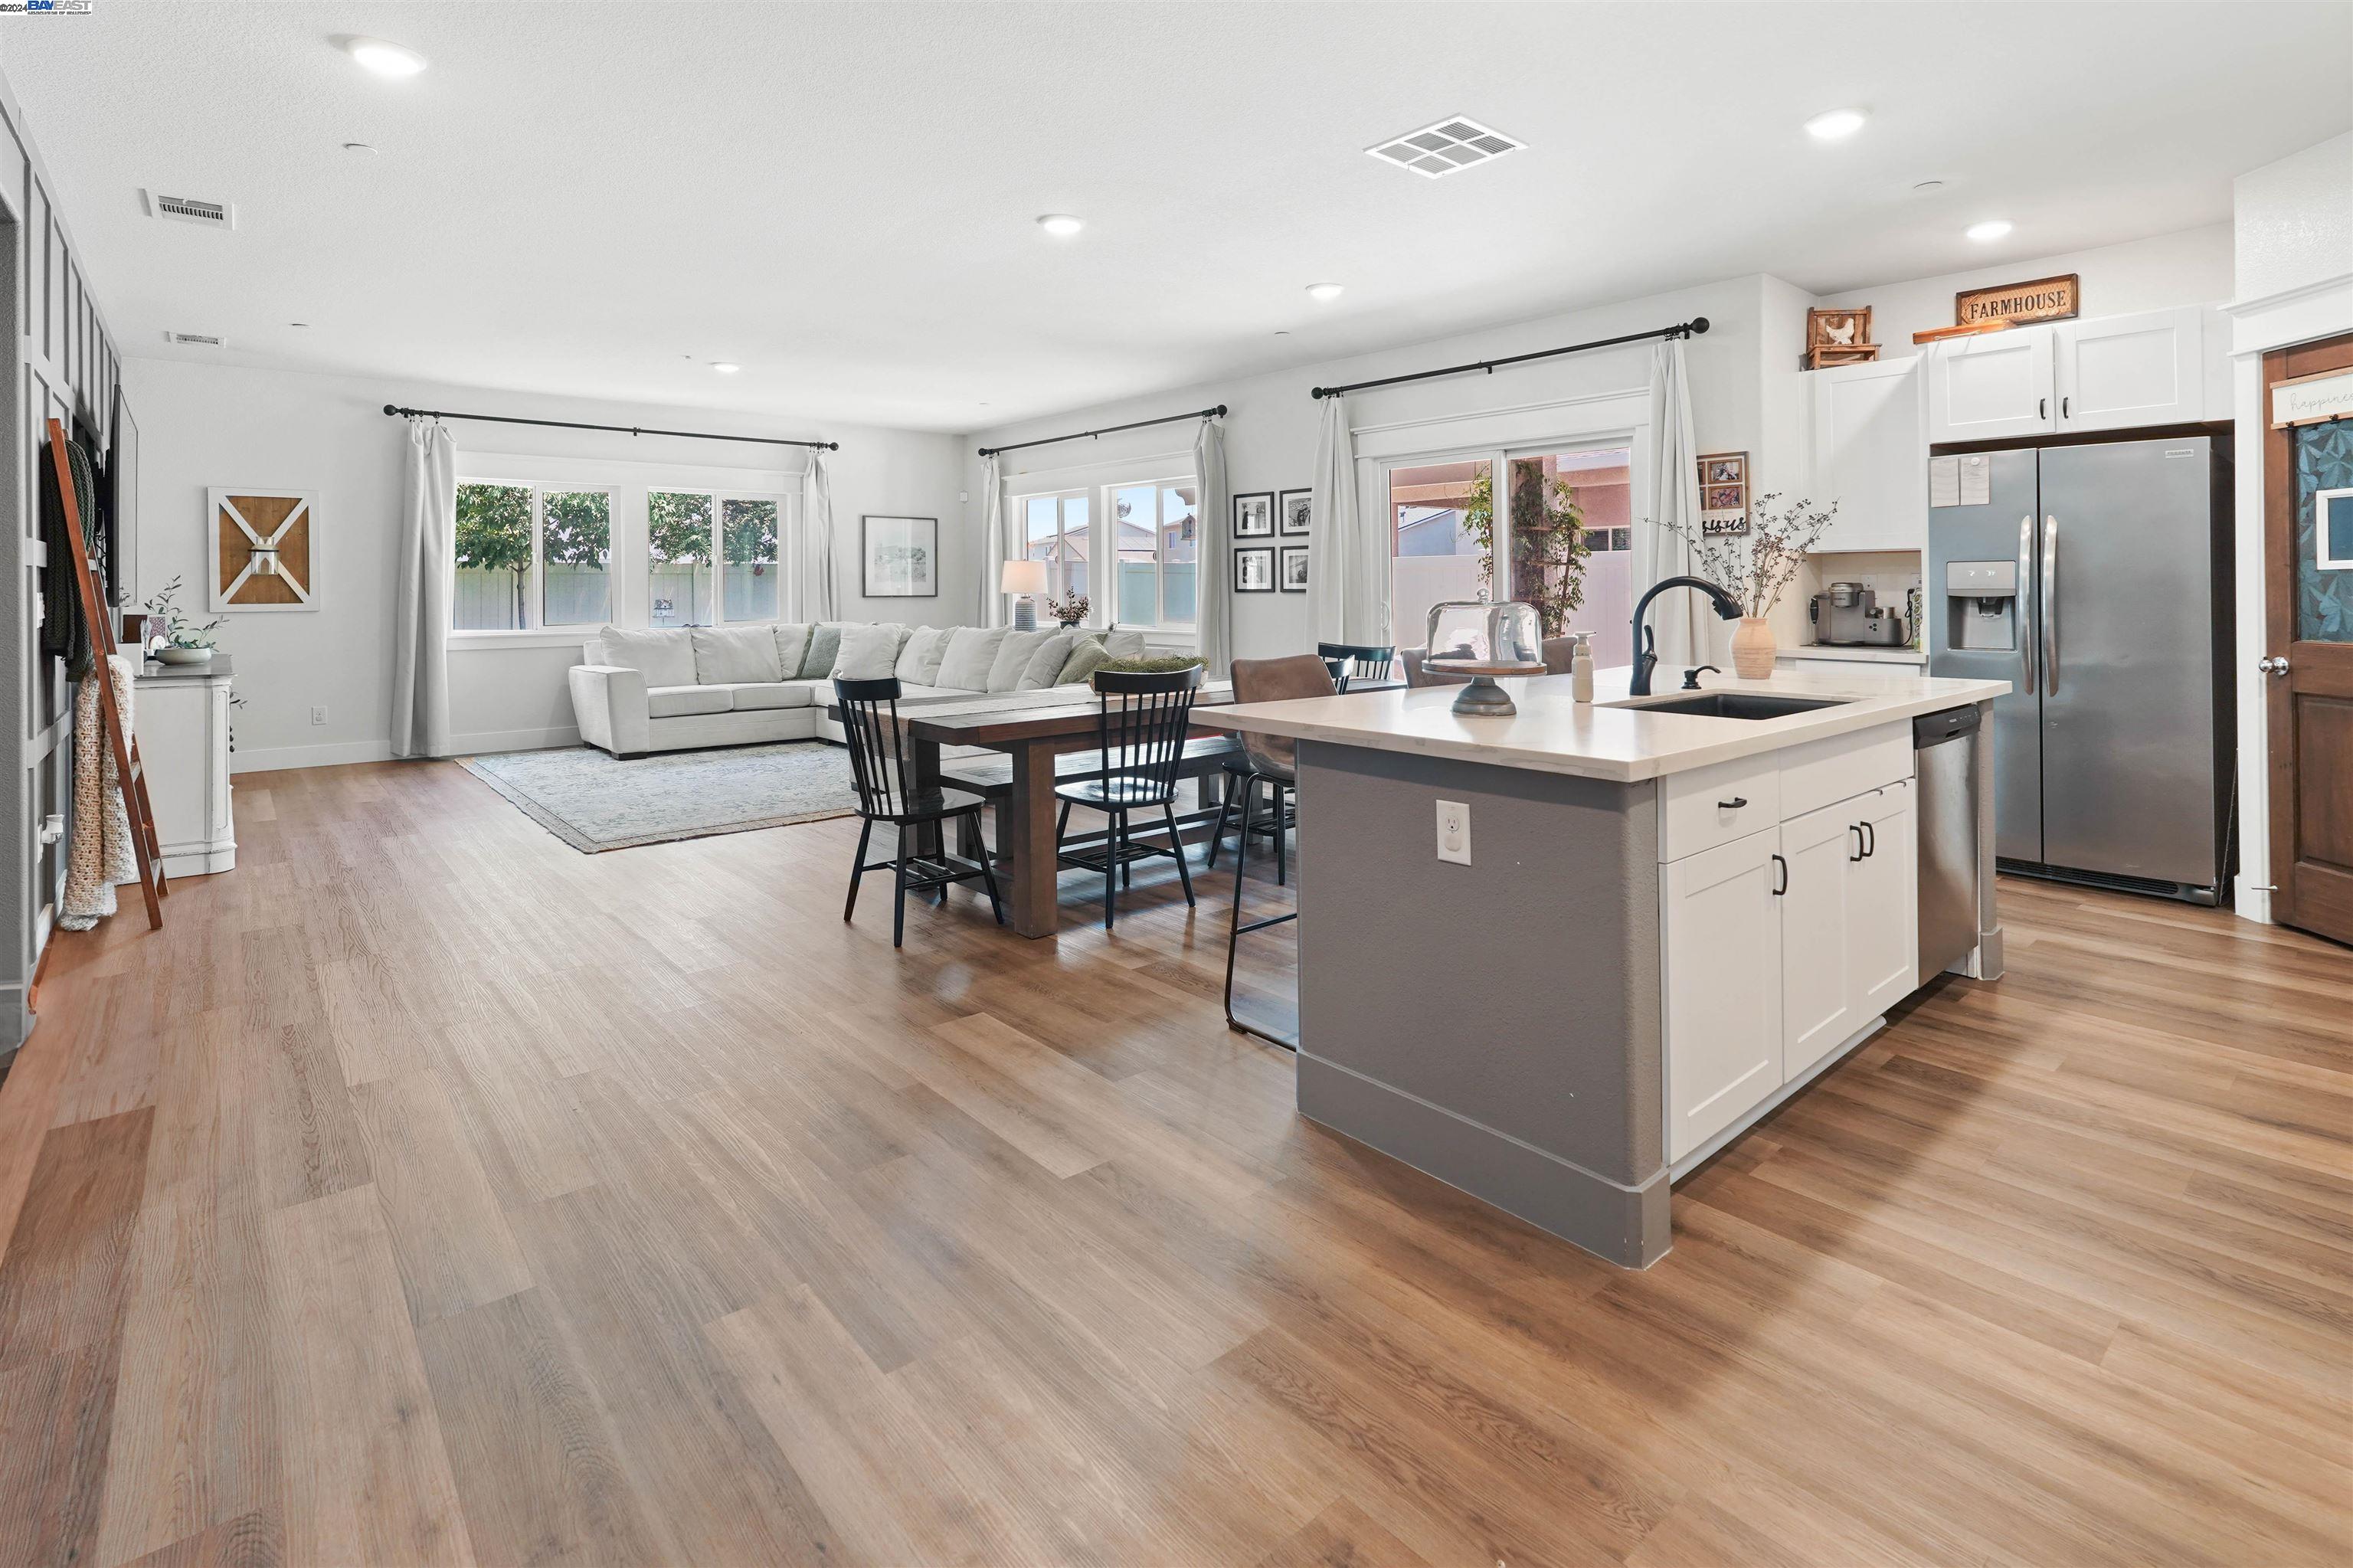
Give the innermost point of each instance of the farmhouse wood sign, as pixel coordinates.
(2044, 300)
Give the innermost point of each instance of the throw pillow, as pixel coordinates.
(824, 647)
(1045, 666)
(1088, 656)
(1013, 656)
(867, 653)
(971, 651)
(792, 647)
(919, 661)
(665, 658)
(1126, 644)
(727, 655)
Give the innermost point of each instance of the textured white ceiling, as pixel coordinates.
(594, 198)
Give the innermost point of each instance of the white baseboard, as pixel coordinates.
(513, 740)
(268, 759)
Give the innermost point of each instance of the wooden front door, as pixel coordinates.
(2308, 644)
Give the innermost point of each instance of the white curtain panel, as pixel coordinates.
(1214, 574)
(1675, 498)
(1347, 569)
(992, 545)
(819, 597)
(428, 555)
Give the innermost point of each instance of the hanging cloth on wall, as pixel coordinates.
(1347, 576)
(100, 856)
(992, 542)
(428, 543)
(1213, 577)
(1659, 551)
(64, 627)
(819, 595)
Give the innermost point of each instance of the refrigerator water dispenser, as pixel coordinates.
(1981, 606)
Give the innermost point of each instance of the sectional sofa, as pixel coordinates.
(637, 692)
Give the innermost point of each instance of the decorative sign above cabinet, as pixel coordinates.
(2044, 300)
(2313, 400)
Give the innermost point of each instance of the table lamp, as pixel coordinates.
(1023, 579)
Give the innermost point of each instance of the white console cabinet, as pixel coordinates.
(181, 716)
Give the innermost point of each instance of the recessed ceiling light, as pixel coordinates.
(1061, 225)
(1991, 229)
(724, 368)
(1323, 292)
(1436, 151)
(385, 58)
(1836, 124)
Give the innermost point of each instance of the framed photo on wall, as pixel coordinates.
(1254, 570)
(1254, 516)
(1294, 568)
(902, 556)
(1297, 513)
(263, 550)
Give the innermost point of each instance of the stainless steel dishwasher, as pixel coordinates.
(1944, 751)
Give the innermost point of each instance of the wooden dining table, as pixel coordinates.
(1032, 736)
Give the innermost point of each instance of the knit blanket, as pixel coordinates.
(100, 856)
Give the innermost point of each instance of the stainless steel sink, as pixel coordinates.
(1734, 705)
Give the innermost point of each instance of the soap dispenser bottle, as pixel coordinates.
(1580, 667)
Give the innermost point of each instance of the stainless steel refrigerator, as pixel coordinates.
(2097, 578)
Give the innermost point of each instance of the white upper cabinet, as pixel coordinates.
(1992, 387)
(1871, 433)
(2121, 371)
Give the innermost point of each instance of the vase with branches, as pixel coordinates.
(1757, 568)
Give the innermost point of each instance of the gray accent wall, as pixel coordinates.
(1496, 1024)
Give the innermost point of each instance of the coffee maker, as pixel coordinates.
(1849, 616)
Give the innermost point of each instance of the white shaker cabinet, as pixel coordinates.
(180, 716)
(1817, 986)
(2117, 372)
(1993, 386)
(1720, 944)
(1870, 441)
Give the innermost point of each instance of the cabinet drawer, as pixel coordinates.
(1822, 771)
(1712, 806)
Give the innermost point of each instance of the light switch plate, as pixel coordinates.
(1454, 832)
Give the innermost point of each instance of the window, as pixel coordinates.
(1571, 531)
(1054, 529)
(747, 528)
(531, 555)
(1439, 543)
(686, 532)
(1156, 540)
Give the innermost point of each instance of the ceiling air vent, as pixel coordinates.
(1436, 151)
(196, 339)
(190, 210)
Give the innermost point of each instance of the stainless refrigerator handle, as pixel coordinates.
(2025, 603)
(2051, 604)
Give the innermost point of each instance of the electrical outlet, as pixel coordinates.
(1454, 832)
(318, 712)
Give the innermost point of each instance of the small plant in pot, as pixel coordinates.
(1757, 568)
(185, 641)
(1069, 611)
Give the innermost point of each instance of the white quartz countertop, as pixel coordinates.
(1912, 656)
(1611, 737)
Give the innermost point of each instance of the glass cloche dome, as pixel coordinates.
(1483, 642)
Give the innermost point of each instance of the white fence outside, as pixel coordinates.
(581, 596)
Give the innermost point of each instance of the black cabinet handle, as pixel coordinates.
(1732, 805)
(1785, 876)
(2043, 408)
(2063, 406)
(1870, 839)
(1856, 829)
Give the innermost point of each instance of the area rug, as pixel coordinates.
(595, 801)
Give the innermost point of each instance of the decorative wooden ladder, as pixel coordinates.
(153, 885)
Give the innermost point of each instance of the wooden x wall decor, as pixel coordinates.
(264, 550)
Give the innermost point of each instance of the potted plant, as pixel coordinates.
(185, 643)
(1757, 568)
(1069, 611)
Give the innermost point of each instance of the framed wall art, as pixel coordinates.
(902, 556)
(1254, 570)
(263, 549)
(1724, 493)
(1296, 515)
(1254, 516)
(1293, 575)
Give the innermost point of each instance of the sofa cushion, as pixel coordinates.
(919, 661)
(1013, 656)
(1088, 656)
(971, 651)
(823, 645)
(792, 646)
(1127, 644)
(725, 655)
(1045, 666)
(756, 696)
(665, 658)
(676, 702)
(867, 652)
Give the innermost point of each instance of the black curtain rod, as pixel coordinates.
(617, 429)
(1691, 328)
(1216, 413)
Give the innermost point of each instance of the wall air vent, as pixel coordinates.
(196, 339)
(190, 210)
(1450, 145)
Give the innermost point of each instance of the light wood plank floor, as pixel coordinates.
(431, 1192)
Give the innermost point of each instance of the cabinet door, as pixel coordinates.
(1817, 986)
(2120, 371)
(1992, 387)
(1883, 903)
(1720, 950)
(1871, 454)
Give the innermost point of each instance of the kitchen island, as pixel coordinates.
(1651, 926)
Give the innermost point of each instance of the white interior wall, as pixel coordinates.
(202, 426)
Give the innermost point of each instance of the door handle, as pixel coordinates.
(1870, 840)
(1856, 829)
(1785, 876)
(2062, 408)
(1732, 805)
(2273, 666)
(2051, 604)
(2043, 408)
(2025, 601)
